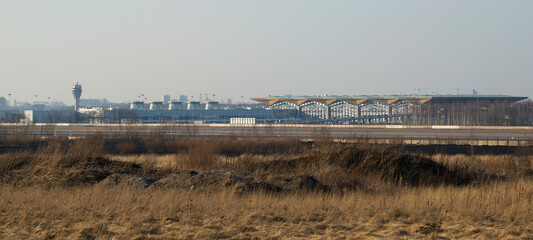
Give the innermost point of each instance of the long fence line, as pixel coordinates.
(528, 128)
(445, 141)
(385, 134)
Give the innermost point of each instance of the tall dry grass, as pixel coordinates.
(382, 208)
(201, 155)
(497, 210)
(224, 145)
(514, 166)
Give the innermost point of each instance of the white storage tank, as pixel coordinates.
(211, 105)
(156, 105)
(173, 105)
(137, 105)
(193, 105)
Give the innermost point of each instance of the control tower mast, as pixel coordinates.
(76, 91)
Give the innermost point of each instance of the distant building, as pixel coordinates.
(3, 104)
(165, 99)
(94, 102)
(4, 116)
(183, 98)
(56, 104)
(50, 116)
(23, 105)
(227, 101)
(195, 114)
(470, 110)
(38, 106)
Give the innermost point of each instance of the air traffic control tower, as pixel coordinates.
(76, 91)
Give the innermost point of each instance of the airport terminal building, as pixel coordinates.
(469, 110)
(463, 110)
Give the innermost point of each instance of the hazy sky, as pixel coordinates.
(120, 49)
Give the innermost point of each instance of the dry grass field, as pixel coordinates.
(198, 188)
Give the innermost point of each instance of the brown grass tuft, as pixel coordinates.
(202, 155)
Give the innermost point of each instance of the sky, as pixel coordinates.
(121, 49)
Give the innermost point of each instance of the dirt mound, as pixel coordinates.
(73, 177)
(336, 168)
(126, 180)
(72, 172)
(344, 168)
(293, 183)
(208, 181)
(228, 178)
(281, 166)
(101, 163)
(396, 167)
(60, 170)
(55, 177)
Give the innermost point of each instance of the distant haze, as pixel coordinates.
(121, 49)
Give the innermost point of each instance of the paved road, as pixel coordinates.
(336, 131)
